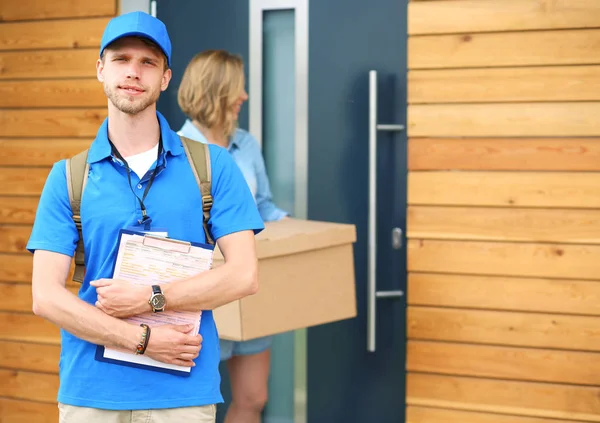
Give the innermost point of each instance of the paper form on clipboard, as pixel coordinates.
(154, 260)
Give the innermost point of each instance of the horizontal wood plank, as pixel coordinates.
(504, 328)
(19, 210)
(45, 34)
(499, 396)
(42, 9)
(446, 17)
(27, 328)
(40, 152)
(41, 64)
(17, 297)
(572, 226)
(568, 83)
(505, 189)
(504, 120)
(16, 268)
(14, 238)
(509, 293)
(41, 387)
(27, 411)
(499, 362)
(535, 48)
(505, 259)
(562, 154)
(22, 181)
(51, 123)
(29, 357)
(52, 93)
(416, 414)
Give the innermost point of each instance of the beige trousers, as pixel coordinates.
(73, 414)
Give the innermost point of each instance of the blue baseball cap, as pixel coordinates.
(138, 24)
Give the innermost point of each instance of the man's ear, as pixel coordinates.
(166, 78)
(100, 70)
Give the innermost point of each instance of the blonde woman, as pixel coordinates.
(211, 95)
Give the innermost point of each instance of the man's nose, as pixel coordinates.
(133, 71)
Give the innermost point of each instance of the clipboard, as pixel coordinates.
(193, 255)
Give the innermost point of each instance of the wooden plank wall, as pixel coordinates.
(504, 211)
(50, 108)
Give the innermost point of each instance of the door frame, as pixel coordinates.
(255, 101)
(255, 127)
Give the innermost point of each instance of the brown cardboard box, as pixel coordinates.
(306, 278)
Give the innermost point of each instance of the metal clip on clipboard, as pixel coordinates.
(178, 246)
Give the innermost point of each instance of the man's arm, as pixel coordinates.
(52, 301)
(236, 278)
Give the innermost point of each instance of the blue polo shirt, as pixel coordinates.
(108, 205)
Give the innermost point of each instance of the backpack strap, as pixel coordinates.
(199, 157)
(77, 175)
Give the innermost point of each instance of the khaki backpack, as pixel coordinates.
(77, 174)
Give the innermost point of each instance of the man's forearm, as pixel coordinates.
(236, 278)
(83, 320)
(212, 289)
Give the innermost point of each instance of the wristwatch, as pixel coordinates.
(157, 300)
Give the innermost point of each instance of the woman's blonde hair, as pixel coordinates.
(211, 84)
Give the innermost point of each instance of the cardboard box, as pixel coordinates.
(306, 278)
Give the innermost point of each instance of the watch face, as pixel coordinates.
(158, 301)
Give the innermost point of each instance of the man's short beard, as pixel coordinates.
(126, 106)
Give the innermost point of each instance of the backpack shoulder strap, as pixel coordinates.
(77, 175)
(199, 157)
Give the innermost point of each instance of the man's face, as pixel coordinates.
(133, 75)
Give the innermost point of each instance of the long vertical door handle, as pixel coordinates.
(372, 293)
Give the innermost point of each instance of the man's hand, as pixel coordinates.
(120, 298)
(174, 344)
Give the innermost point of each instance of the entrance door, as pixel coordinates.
(348, 39)
(355, 369)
